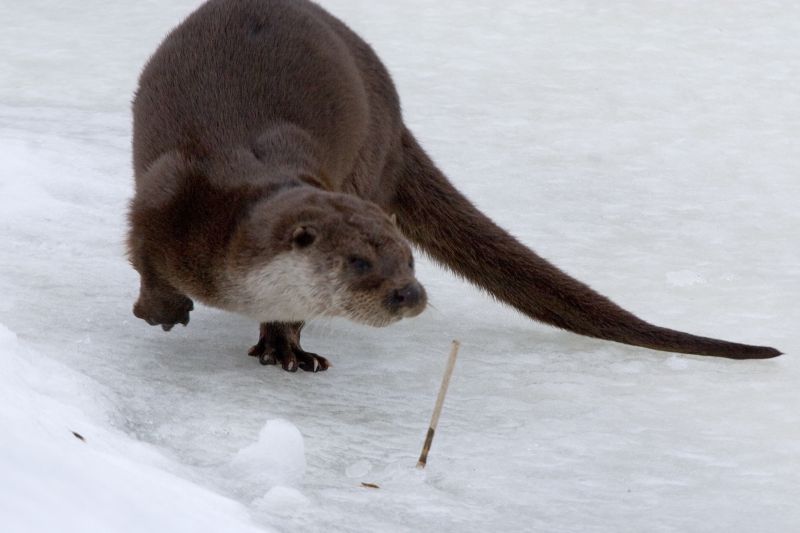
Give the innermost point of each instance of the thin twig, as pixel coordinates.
(437, 410)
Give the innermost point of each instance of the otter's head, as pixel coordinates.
(306, 253)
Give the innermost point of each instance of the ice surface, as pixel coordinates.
(649, 148)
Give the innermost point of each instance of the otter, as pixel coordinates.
(275, 178)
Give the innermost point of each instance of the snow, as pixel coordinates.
(648, 148)
(277, 457)
(97, 479)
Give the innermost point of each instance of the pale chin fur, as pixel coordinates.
(287, 289)
(375, 322)
(368, 315)
(290, 289)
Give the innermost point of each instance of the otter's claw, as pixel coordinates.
(290, 359)
(279, 344)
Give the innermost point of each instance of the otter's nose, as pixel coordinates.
(409, 297)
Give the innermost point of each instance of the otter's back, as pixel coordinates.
(233, 68)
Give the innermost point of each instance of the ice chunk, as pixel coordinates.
(276, 458)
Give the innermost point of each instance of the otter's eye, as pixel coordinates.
(411, 262)
(359, 264)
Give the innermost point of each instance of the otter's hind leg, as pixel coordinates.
(279, 343)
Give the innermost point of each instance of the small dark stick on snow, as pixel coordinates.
(437, 410)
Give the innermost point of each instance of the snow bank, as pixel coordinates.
(64, 469)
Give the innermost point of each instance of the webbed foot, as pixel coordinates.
(279, 344)
(165, 310)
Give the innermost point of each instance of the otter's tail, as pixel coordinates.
(434, 215)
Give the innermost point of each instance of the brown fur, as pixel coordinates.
(267, 127)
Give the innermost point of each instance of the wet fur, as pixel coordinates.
(257, 116)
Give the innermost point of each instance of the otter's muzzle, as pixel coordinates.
(407, 301)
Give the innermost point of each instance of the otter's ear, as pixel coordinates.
(303, 237)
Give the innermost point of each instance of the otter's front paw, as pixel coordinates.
(290, 358)
(165, 312)
(279, 344)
